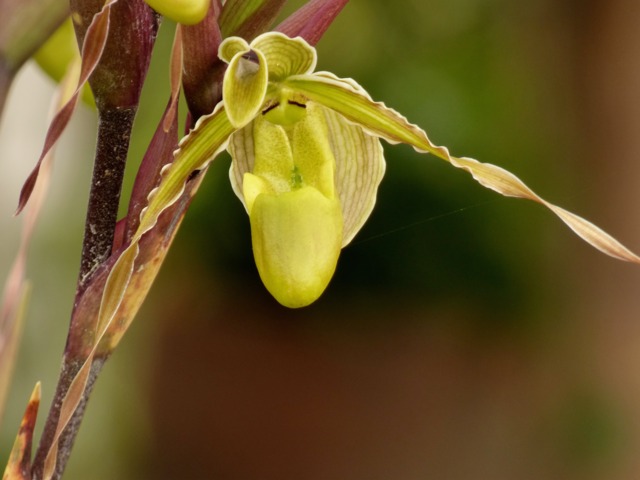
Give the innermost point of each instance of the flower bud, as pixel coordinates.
(187, 12)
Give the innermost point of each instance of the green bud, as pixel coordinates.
(187, 12)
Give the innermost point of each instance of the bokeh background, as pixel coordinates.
(464, 336)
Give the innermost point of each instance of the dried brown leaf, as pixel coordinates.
(92, 49)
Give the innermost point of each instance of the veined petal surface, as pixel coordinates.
(285, 56)
(244, 86)
(360, 167)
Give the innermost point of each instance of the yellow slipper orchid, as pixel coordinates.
(307, 162)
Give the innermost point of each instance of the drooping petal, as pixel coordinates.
(196, 150)
(245, 83)
(296, 239)
(346, 97)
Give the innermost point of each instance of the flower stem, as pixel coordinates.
(114, 130)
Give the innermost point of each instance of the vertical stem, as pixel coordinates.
(114, 130)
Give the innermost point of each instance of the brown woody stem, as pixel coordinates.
(114, 130)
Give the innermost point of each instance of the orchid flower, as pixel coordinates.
(307, 161)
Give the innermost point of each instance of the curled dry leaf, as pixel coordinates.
(350, 100)
(95, 41)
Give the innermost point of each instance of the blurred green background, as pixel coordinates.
(464, 336)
